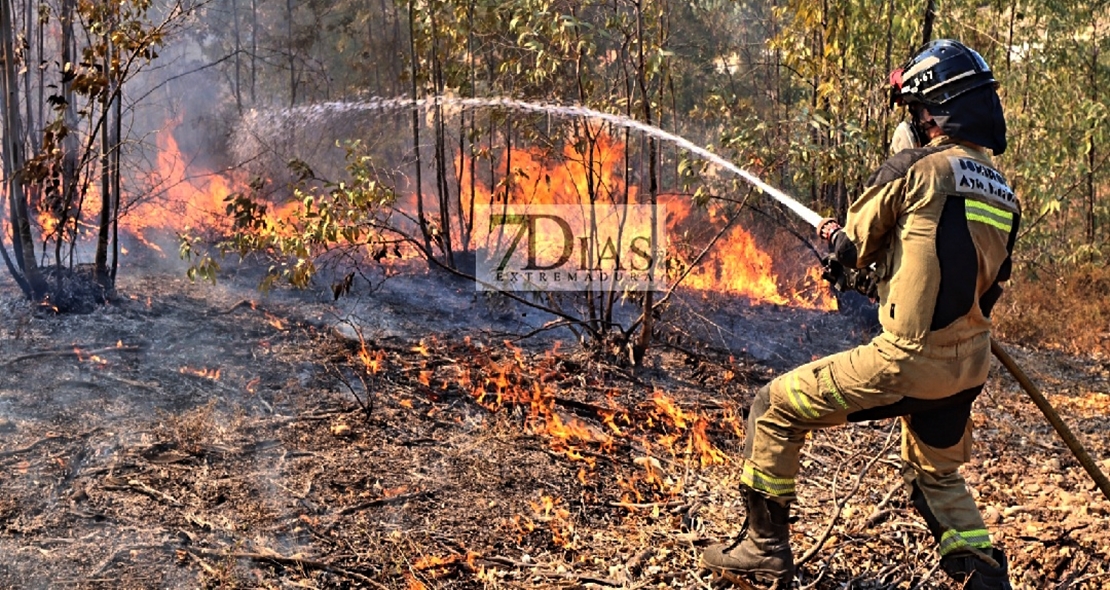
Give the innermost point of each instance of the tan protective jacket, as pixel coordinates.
(939, 222)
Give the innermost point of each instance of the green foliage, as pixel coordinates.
(344, 216)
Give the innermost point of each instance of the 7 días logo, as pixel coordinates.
(569, 247)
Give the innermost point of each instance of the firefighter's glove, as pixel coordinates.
(865, 281)
(845, 279)
(827, 229)
(833, 272)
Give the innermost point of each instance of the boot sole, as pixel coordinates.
(736, 579)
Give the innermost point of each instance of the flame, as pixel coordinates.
(668, 408)
(738, 266)
(181, 196)
(707, 453)
(372, 361)
(670, 440)
(735, 265)
(213, 374)
(92, 358)
(275, 322)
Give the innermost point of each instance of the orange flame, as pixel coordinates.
(707, 453)
(372, 361)
(275, 322)
(181, 197)
(736, 264)
(213, 374)
(92, 358)
(668, 408)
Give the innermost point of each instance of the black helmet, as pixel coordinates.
(942, 70)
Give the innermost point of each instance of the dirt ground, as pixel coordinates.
(192, 436)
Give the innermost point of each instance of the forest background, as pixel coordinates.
(793, 90)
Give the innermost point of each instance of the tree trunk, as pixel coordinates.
(254, 47)
(1092, 160)
(28, 33)
(420, 218)
(117, 133)
(930, 16)
(473, 129)
(441, 154)
(13, 155)
(238, 55)
(292, 54)
(104, 221)
(646, 329)
(71, 144)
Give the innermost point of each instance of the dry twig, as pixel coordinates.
(812, 551)
(75, 351)
(308, 564)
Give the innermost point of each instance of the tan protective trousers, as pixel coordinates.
(873, 377)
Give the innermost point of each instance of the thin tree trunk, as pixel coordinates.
(473, 115)
(395, 48)
(1092, 186)
(117, 133)
(930, 16)
(648, 326)
(887, 66)
(238, 55)
(254, 48)
(13, 155)
(100, 265)
(370, 48)
(71, 143)
(15, 268)
(441, 153)
(40, 64)
(17, 243)
(292, 55)
(460, 173)
(28, 32)
(420, 218)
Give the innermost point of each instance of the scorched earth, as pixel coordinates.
(188, 435)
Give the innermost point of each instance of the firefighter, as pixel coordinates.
(934, 229)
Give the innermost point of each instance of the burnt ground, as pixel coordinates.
(188, 436)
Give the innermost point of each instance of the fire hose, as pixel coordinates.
(1078, 450)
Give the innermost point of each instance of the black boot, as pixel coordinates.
(764, 552)
(975, 573)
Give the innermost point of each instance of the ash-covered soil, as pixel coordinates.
(189, 436)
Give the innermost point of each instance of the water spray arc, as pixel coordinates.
(318, 111)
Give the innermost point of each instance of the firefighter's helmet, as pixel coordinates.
(939, 72)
